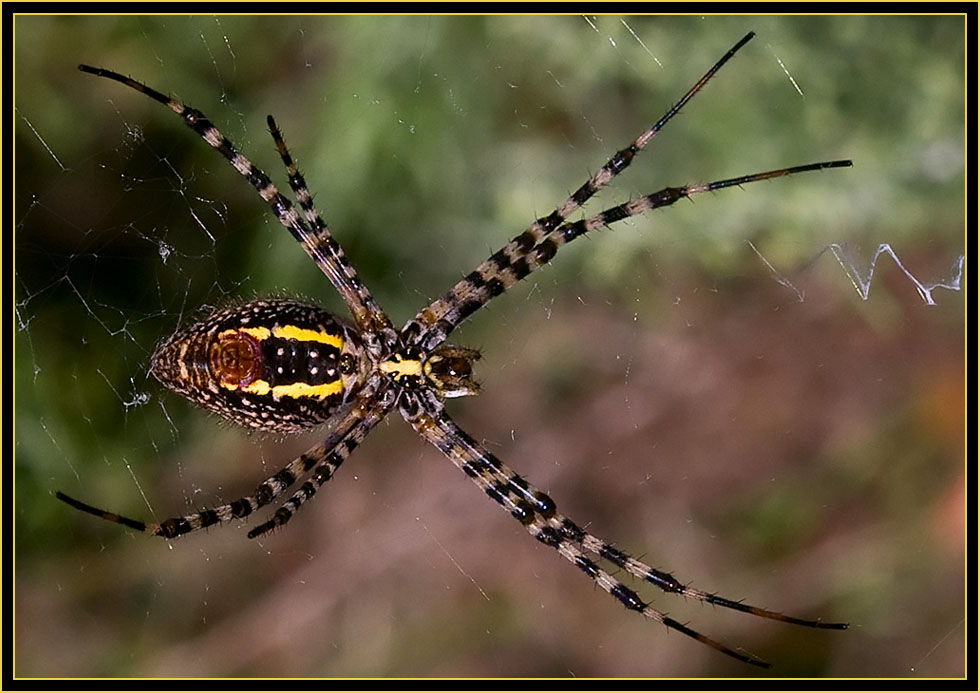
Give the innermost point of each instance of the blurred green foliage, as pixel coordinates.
(429, 142)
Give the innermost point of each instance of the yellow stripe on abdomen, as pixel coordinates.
(294, 390)
(291, 332)
(302, 334)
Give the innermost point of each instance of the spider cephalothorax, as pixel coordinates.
(447, 370)
(281, 365)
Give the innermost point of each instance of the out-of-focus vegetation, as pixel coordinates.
(656, 380)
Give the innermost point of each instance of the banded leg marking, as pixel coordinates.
(436, 313)
(538, 513)
(329, 463)
(265, 493)
(522, 500)
(478, 288)
(547, 535)
(319, 245)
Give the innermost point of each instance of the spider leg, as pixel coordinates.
(538, 513)
(665, 581)
(326, 252)
(328, 461)
(318, 244)
(435, 316)
(547, 535)
(477, 289)
(347, 421)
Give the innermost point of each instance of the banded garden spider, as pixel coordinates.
(284, 366)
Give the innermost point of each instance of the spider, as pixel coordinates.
(284, 366)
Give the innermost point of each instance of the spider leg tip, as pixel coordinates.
(744, 656)
(73, 502)
(261, 530)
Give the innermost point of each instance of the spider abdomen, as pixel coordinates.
(274, 365)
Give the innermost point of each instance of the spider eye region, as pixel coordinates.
(450, 370)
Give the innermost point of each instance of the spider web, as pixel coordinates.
(658, 380)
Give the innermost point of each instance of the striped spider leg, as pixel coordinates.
(501, 271)
(539, 514)
(350, 426)
(318, 242)
(374, 329)
(434, 322)
(284, 366)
